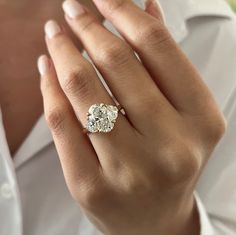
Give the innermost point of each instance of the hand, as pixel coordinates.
(140, 177)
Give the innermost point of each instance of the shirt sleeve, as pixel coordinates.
(206, 227)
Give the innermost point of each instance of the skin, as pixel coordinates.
(134, 179)
(20, 97)
(139, 178)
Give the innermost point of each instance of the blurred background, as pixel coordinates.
(233, 4)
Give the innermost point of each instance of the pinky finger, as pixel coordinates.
(78, 159)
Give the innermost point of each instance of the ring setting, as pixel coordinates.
(101, 118)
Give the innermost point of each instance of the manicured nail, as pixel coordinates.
(43, 65)
(52, 28)
(73, 8)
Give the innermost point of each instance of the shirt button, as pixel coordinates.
(6, 191)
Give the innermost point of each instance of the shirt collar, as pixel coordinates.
(177, 13)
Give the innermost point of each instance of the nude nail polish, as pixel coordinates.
(52, 28)
(72, 8)
(43, 65)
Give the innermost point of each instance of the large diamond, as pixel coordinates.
(101, 118)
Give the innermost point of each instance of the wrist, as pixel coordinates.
(185, 221)
(180, 220)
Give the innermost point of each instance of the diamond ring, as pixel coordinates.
(101, 118)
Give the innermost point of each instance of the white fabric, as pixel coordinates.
(34, 199)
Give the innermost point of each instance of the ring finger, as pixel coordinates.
(83, 88)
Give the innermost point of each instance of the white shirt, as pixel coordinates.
(34, 199)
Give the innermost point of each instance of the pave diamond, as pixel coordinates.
(101, 118)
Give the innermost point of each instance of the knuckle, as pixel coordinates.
(115, 6)
(152, 104)
(152, 34)
(136, 182)
(116, 54)
(88, 22)
(81, 185)
(56, 119)
(138, 187)
(93, 197)
(131, 188)
(60, 44)
(180, 164)
(212, 127)
(217, 129)
(78, 82)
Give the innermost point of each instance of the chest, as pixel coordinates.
(20, 112)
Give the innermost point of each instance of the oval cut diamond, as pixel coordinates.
(92, 125)
(101, 118)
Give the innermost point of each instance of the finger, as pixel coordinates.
(78, 159)
(76, 75)
(169, 67)
(127, 78)
(152, 7)
(80, 83)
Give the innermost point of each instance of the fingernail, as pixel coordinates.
(72, 8)
(43, 65)
(52, 28)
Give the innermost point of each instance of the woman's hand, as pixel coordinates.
(140, 177)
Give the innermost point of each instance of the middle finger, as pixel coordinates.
(175, 76)
(128, 80)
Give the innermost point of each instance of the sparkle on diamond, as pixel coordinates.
(101, 118)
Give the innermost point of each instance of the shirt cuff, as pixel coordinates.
(206, 226)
